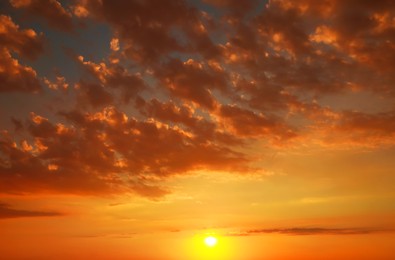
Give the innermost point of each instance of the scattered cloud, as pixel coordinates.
(15, 77)
(188, 89)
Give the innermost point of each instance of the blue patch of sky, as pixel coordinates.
(259, 9)
(218, 12)
(205, 7)
(89, 39)
(220, 36)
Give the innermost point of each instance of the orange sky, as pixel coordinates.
(135, 129)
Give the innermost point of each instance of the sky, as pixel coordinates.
(135, 129)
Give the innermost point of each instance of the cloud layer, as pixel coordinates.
(190, 88)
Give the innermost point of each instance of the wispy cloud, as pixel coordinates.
(300, 231)
(7, 211)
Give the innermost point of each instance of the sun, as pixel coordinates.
(210, 241)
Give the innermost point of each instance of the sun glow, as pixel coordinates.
(210, 241)
(211, 245)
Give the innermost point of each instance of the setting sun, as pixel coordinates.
(210, 241)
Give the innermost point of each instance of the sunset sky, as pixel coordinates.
(135, 129)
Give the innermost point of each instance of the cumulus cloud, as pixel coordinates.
(26, 42)
(115, 76)
(192, 81)
(15, 77)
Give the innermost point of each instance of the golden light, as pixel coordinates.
(211, 245)
(210, 241)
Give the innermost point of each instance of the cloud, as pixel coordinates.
(106, 152)
(114, 76)
(191, 89)
(309, 231)
(238, 8)
(26, 43)
(49, 10)
(60, 83)
(192, 81)
(94, 94)
(149, 191)
(6, 211)
(185, 117)
(110, 235)
(247, 123)
(357, 128)
(148, 33)
(15, 77)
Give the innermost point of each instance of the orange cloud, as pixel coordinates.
(26, 43)
(15, 77)
(192, 81)
(247, 123)
(84, 157)
(361, 129)
(185, 89)
(115, 76)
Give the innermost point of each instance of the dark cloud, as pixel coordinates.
(106, 152)
(186, 89)
(236, 7)
(15, 77)
(304, 231)
(6, 211)
(192, 81)
(145, 28)
(247, 123)
(94, 94)
(185, 117)
(114, 76)
(26, 43)
(49, 10)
